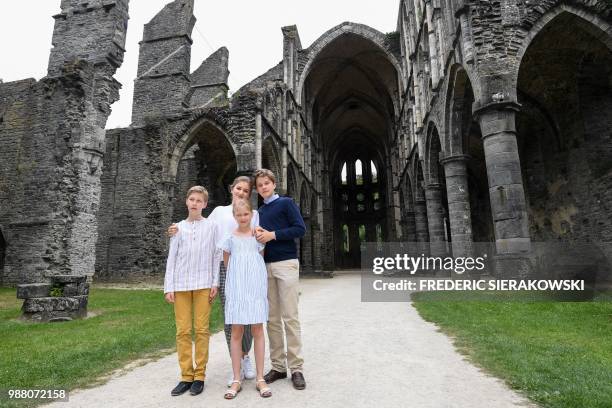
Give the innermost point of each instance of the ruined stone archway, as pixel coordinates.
(333, 34)
(350, 83)
(203, 156)
(292, 183)
(435, 193)
(564, 85)
(271, 160)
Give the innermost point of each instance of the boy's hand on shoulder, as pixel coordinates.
(169, 297)
(213, 294)
(172, 230)
(264, 236)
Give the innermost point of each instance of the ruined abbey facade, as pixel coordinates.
(475, 121)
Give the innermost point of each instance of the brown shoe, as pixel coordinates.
(297, 378)
(274, 375)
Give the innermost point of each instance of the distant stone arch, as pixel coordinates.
(433, 149)
(271, 159)
(589, 21)
(458, 110)
(204, 155)
(292, 183)
(360, 30)
(205, 123)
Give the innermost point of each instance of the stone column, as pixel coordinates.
(409, 227)
(435, 219)
(458, 195)
(306, 247)
(316, 248)
(506, 191)
(420, 221)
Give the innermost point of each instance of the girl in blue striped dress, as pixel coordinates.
(246, 294)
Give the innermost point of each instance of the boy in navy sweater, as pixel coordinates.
(280, 224)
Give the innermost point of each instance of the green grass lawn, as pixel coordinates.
(129, 325)
(559, 354)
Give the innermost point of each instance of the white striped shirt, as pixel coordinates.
(193, 259)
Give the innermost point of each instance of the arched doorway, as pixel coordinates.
(349, 88)
(208, 160)
(436, 196)
(563, 127)
(465, 153)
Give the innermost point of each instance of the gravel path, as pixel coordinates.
(356, 355)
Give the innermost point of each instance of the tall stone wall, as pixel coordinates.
(53, 138)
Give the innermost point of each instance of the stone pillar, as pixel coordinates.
(420, 219)
(306, 247)
(316, 248)
(163, 78)
(409, 230)
(258, 142)
(506, 191)
(435, 219)
(458, 195)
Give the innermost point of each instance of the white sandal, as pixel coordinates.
(231, 394)
(264, 392)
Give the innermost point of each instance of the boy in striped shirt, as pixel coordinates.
(191, 283)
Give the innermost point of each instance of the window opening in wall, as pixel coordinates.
(374, 172)
(343, 174)
(345, 239)
(358, 173)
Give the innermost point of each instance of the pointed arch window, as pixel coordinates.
(374, 172)
(358, 173)
(343, 175)
(345, 239)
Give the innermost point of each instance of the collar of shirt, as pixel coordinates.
(270, 199)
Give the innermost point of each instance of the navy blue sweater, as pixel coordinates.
(283, 217)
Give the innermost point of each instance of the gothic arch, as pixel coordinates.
(204, 122)
(433, 150)
(590, 22)
(305, 199)
(458, 110)
(292, 183)
(271, 159)
(329, 36)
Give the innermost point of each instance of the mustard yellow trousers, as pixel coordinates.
(188, 305)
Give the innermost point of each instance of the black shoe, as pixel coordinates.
(274, 375)
(181, 388)
(297, 378)
(196, 387)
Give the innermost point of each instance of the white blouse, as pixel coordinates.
(224, 217)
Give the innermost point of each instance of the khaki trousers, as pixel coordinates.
(187, 305)
(283, 295)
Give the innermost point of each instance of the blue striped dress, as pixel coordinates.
(246, 284)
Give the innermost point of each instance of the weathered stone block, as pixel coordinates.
(74, 289)
(64, 279)
(33, 290)
(55, 308)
